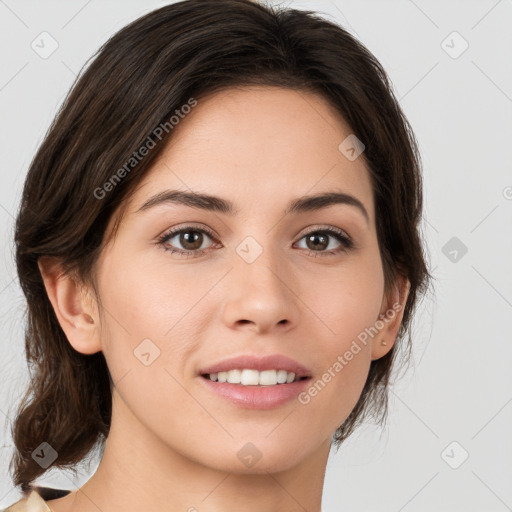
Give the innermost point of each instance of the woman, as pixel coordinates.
(218, 242)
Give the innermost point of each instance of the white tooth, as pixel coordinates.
(268, 378)
(281, 376)
(234, 376)
(249, 377)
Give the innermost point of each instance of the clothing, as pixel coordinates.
(35, 500)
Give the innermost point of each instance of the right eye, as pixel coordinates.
(190, 238)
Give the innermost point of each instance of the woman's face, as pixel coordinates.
(259, 281)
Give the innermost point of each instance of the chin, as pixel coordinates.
(257, 455)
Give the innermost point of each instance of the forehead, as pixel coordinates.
(255, 144)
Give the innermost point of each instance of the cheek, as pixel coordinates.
(148, 298)
(152, 322)
(333, 393)
(342, 365)
(345, 300)
(147, 335)
(346, 305)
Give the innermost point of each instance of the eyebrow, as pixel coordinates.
(220, 205)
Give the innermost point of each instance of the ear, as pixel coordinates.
(76, 310)
(390, 318)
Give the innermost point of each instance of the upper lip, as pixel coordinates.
(260, 363)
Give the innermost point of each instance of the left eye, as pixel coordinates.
(320, 240)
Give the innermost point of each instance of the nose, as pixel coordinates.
(261, 296)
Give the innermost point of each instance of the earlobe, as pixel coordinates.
(76, 313)
(390, 318)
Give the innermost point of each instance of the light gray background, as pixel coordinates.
(459, 387)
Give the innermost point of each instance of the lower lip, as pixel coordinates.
(257, 397)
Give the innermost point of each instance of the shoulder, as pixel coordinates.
(35, 501)
(31, 503)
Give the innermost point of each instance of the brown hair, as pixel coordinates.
(136, 81)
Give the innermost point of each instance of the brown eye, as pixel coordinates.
(317, 242)
(191, 240)
(188, 241)
(320, 242)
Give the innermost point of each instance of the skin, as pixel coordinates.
(173, 444)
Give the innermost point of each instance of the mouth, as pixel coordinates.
(252, 382)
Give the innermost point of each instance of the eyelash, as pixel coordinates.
(345, 241)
